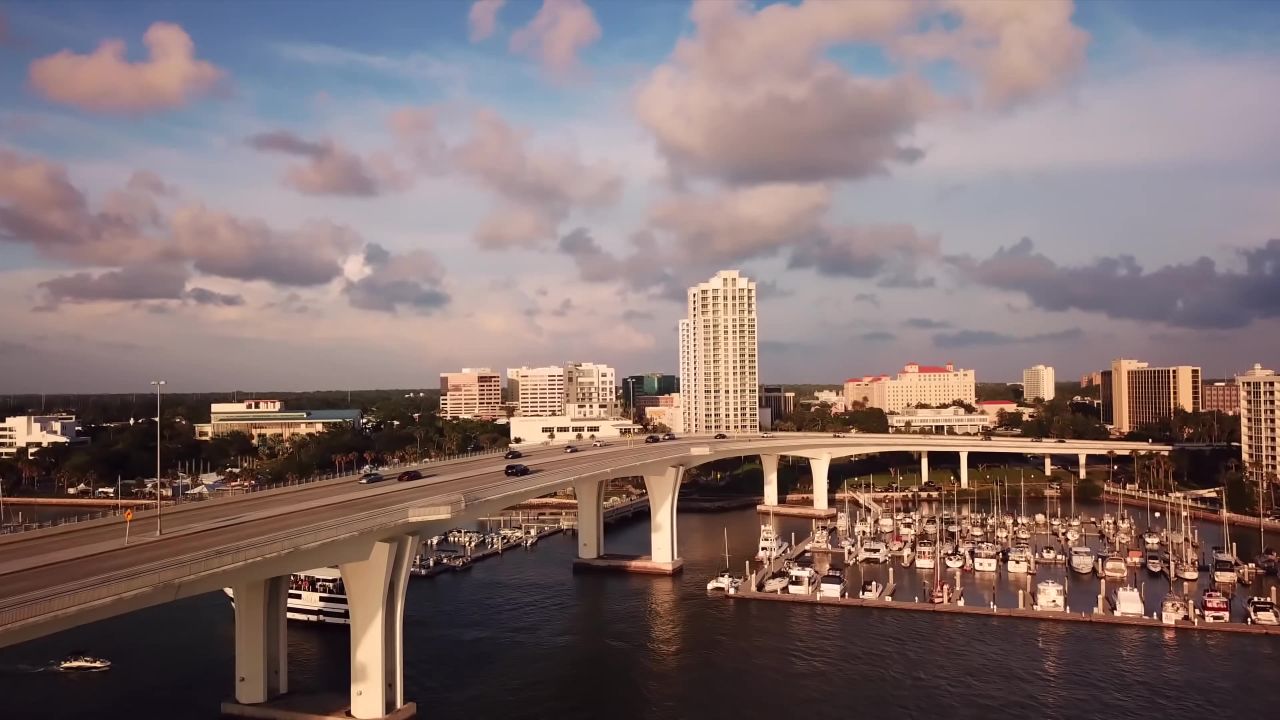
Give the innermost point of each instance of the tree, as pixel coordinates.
(659, 428)
(578, 436)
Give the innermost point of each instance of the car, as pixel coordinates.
(513, 455)
(474, 448)
(598, 443)
(930, 486)
(1037, 439)
(371, 477)
(408, 475)
(516, 470)
(669, 436)
(766, 434)
(570, 448)
(1061, 440)
(986, 438)
(837, 435)
(721, 436)
(653, 439)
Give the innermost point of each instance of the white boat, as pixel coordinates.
(871, 590)
(771, 546)
(908, 555)
(1050, 595)
(821, 539)
(1049, 554)
(986, 557)
(1215, 607)
(801, 581)
(317, 595)
(1224, 568)
(1151, 539)
(831, 585)
(1112, 567)
(1133, 558)
(954, 559)
(1173, 609)
(775, 583)
(1188, 571)
(83, 663)
(1155, 563)
(1022, 533)
(976, 531)
(1020, 560)
(885, 524)
(724, 581)
(1082, 560)
(1127, 602)
(1262, 611)
(862, 527)
(873, 551)
(926, 555)
(907, 528)
(1040, 519)
(1073, 534)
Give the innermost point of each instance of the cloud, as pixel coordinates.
(330, 169)
(869, 298)
(867, 251)
(104, 81)
(769, 289)
(483, 18)
(143, 282)
(537, 188)
(203, 296)
(555, 36)
(926, 324)
(971, 338)
(1194, 295)
(410, 280)
(877, 336)
(644, 266)
(632, 315)
(741, 223)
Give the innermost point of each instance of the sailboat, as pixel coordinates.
(725, 580)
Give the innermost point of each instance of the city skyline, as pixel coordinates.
(368, 200)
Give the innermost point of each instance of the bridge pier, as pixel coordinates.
(1048, 466)
(590, 495)
(664, 492)
(819, 467)
(769, 465)
(964, 469)
(375, 596)
(262, 642)
(1082, 458)
(924, 466)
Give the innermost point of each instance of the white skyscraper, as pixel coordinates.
(1259, 408)
(719, 367)
(1037, 382)
(578, 390)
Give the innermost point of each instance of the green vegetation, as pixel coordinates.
(819, 418)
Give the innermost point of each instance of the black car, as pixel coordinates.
(653, 439)
(408, 475)
(721, 436)
(570, 448)
(516, 470)
(669, 436)
(1060, 440)
(474, 448)
(371, 477)
(513, 455)
(930, 486)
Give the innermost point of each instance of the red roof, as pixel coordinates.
(933, 369)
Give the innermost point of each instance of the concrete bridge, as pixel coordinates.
(57, 578)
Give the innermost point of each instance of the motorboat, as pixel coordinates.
(862, 526)
(775, 583)
(1155, 563)
(1173, 608)
(1134, 558)
(1020, 559)
(1127, 602)
(1050, 595)
(1151, 539)
(317, 595)
(801, 580)
(1224, 568)
(871, 590)
(926, 555)
(1112, 566)
(1049, 554)
(1262, 611)
(873, 551)
(831, 585)
(955, 559)
(907, 527)
(986, 557)
(976, 531)
(1082, 560)
(929, 525)
(771, 546)
(885, 524)
(83, 663)
(1215, 607)
(821, 539)
(908, 555)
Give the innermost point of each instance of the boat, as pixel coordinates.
(1187, 570)
(801, 580)
(955, 559)
(907, 528)
(1020, 559)
(926, 555)
(940, 594)
(873, 551)
(908, 555)
(1172, 609)
(885, 524)
(724, 581)
(871, 590)
(1073, 534)
(1215, 607)
(986, 557)
(1050, 595)
(1049, 554)
(821, 539)
(1262, 611)
(1082, 559)
(776, 583)
(771, 546)
(831, 585)
(1112, 566)
(1151, 539)
(83, 663)
(317, 595)
(1224, 568)
(1134, 558)
(1127, 602)
(1155, 563)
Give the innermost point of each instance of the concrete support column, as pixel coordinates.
(262, 642)
(590, 495)
(1082, 458)
(1048, 466)
(819, 467)
(964, 469)
(924, 467)
(664, 492)
(769, 464)
(375, 597)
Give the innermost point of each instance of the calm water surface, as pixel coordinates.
(521, 636)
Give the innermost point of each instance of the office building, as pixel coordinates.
(719, 365)
(1220, 395)
(1259, 391)
(1037, 382)
(473, 393)
(916, 384)
(779, 402)
(1134, 394)
(37, 431)
(264, 418)
(577, 390)
(940, 421)
(633, 386)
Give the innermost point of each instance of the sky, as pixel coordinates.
(313, 195)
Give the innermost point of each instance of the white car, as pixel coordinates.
(766, 434)
(598, 443)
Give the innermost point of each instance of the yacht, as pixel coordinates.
(1082, 560)
(1112, 566)
(873, 551)
(871, 590)
(317, 595)
(926, 555)
(1215, 607)
(821, 539)
(771, 546)
(929, 525)
(1049, 554)
(885, 524)
(1040, 518)
(986, 557)
(776, 583)
(801, 580)
(1172, 609)
(83, 663)
(907, 528)
(1155, 563)
(1262, 611)
(1050, 595)
(1224, 568)
(1127, 602)
(831, 585)
(862, 527)
(1020, 559)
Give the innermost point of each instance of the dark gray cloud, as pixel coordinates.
(203, 296)
(768, 289)
(926, 324)
(329, 169)
(631, 315)
(894, 251)
(971, 338)
(410, 281)
(222, 244)
(877, 336)
(1196, 294)
(645, 267)
(869, 298)
(143, 282)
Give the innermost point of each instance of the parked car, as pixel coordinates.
(570, 449)
(721, 436)
(408, 475)
(513, 455)
(653, 439)
(766, 434)
(371, 477)
(669, 436)
(516, 470)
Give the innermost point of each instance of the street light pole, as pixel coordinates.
(159, 527)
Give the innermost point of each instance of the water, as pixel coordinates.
(521, 636)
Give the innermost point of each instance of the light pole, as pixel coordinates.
(158, 385)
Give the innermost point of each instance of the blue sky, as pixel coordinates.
(337, 194)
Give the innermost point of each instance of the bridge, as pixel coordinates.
(60, 577)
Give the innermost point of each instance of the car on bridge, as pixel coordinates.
(721, 436)
(513, 455)
(669, 436)
(766, 434)
(371, 477)
(653, 439)
(516, 470)
(570, 448)
(409, 475)
(598, 443)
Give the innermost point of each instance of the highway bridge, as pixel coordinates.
(57, 578)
